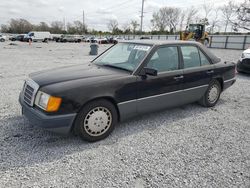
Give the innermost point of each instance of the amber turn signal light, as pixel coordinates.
(53, 104)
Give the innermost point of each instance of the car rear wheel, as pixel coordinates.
(96, 120)
(212, 94)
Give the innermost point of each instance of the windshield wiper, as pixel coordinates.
(112, 66)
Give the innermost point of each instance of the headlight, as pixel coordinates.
(47, 102)
(243, 55)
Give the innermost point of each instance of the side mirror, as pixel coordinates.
(149, 71)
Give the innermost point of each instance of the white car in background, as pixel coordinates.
(101, 40)
(2, 38)
(243, 64)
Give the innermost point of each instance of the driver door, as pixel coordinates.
(163, 90)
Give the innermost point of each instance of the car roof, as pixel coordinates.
(214, 58)
(160, 42)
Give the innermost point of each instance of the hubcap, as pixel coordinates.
(213, 94)
(97, 121)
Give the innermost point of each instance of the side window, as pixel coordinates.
(204, 60)
(164, 59)
(191, 56)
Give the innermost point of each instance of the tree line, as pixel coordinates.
(24, 26)
(232, 17)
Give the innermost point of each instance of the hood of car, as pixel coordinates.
(245, 54)
(247, 51)
(76, 72)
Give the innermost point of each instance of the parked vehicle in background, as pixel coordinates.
(17, 37)
(129, 79)
(89, 39)
(56, 37)
(196, 32)
(115, 40)
(2, 38)
(243, 64)
(70, 38)
(144, 37)
(101, 40)
(35, 36)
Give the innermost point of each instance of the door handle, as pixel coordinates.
(210, 72)
(178, 77)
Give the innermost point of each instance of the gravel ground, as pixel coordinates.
(189, 146)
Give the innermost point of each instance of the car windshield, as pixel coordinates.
(126, 56)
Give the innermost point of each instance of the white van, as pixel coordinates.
(38, 36)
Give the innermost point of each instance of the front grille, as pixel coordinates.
(29, 92)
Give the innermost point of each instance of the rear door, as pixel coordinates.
(163, 90)
(197, 71)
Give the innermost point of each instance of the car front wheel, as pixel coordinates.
(96, 120)
(212, 94)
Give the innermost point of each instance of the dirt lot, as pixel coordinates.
(189, 146)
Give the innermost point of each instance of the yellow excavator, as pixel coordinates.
(195, 32)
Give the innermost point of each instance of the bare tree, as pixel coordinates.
(227, 13)
(182, 18)
(134, 24)
(214, 20)
(57, 27)
(19, 26)
(126, 27)
(43, 27)
(207, 9)
(112, 25)
(173, 18)
(5, 28)
(242, 17)
(159, 20)
(191, 14)
(166, 17)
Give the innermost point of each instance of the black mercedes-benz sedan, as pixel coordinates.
(129, 79)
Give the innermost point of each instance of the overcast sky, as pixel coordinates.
(97, 12)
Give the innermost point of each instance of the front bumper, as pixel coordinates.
(243, 66)
(56, 123)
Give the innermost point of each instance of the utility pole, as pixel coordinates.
(142, 12)
(83, 22)
(64, 24)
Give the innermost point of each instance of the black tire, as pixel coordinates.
(2, 40)
(90, 119)
(210, 99)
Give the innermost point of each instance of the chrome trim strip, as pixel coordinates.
(195, 87)
(225, 81)
(134, 100)
(121, 103)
